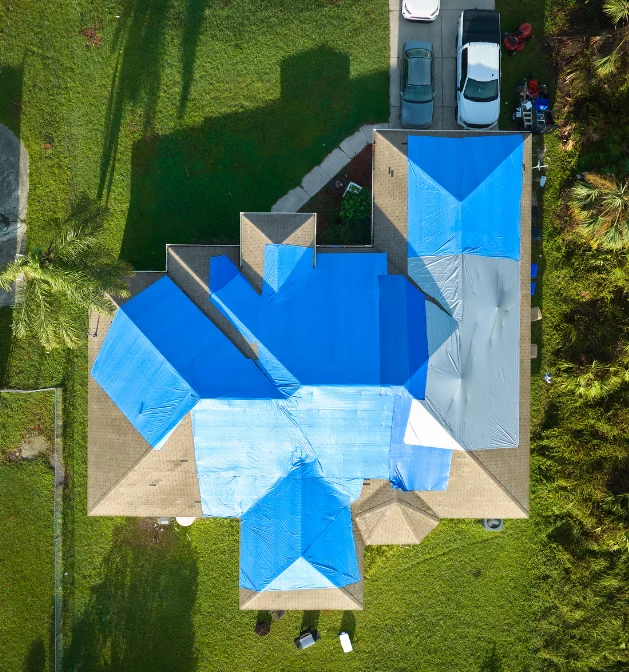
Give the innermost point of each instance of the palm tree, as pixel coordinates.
(617, 41)
(600, 204)
(74, 274)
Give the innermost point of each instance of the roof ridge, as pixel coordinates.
(401, 507)
(495, 479)
(115, 486)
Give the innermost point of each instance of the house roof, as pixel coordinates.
(387, 516)
(126, 477)
(258, 229)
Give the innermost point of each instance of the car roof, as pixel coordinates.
(419, 71)
(483, 61)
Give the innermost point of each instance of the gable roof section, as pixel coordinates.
(258, 229)
(298, 536)
(161, 355)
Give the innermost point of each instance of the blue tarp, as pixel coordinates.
(162, 354)
(316, 326)
(403, 341)
(299, 535)
(464, 195)
(243, 447)
(415, 467)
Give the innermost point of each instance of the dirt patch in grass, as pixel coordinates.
(93, 38)
(327, 203)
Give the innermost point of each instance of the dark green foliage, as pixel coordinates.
(355, 221)
(356, 208)
(73, 274)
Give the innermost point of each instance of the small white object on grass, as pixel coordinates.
(346, 642)
(185, 521)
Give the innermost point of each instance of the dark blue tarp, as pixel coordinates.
(316, 326)
(403, 340)
(464, 195)
(162, 354)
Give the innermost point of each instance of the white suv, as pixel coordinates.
(478, 69)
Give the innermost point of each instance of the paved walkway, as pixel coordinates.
(442, 34)
(333, 163)
(13, 197)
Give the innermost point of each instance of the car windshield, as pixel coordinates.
(417, 94)
(481, 92)
(418, 53)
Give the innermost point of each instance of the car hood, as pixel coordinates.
(486, 113)
(417, 115)
(421, 9)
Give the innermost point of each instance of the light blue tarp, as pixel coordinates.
(464, 195)
(162, 354)
(415, 467)
(243, 447)
(299, 535)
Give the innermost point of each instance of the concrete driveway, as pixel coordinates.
(442, 34)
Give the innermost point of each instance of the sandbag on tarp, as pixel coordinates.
(464, 195)
(299, 535)
(161, 354)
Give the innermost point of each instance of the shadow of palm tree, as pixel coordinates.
(138, 41)
(191, 185)
(140, 616)
(192, 30)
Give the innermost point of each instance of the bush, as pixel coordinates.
(356, 209)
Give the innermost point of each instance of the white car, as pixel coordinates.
(420, 10)
(478, 69)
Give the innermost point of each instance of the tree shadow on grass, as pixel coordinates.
(140, 616)
(492, 661)
(309, 620)
(36, 658)
(195, 11)
(6, 341)
(138, 41)
(191, 185)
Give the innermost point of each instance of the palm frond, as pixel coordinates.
(617, 10)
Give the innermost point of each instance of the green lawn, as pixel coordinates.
(459, 601)
(184, 114)
(26, 531)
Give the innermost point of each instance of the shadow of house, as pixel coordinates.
(191, 185)
(140, 616)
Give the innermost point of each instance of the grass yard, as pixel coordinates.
(26, 531)
(459, 601)
(179, 115)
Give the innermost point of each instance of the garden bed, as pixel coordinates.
(327, 202)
